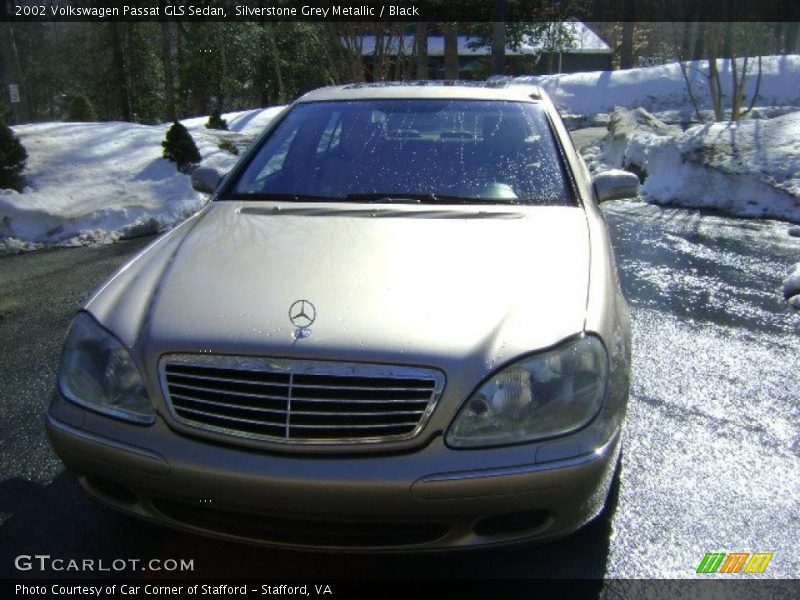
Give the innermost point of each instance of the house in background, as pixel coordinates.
(585, 52)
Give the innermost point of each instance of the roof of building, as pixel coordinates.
(585, 41)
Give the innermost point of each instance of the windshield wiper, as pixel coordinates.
(392, 198)
(417, 199)
(375, 198)
(285, 197)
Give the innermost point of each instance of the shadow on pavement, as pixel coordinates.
(701, 265)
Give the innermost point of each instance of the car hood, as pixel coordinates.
(396, 284)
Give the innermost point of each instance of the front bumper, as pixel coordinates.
(432, 498)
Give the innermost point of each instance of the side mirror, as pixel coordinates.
(206, 179)
(615, 184)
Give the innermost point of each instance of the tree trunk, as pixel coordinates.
(169, 71)
(699, 51)
(756, 91)
(222, 87)
(737, 87)
(14, 74)
(629, 13)
(404, 55)
(276, 63)
(336, 53)
(350, 36)
(727, 49)
(692, 97)
(451, 51)
(181, 94)
(689, 31)
(421, 49)
(626, 55)
(121, 71)
(379, 56)
(499, 38)
(791, 37)
(714, 85)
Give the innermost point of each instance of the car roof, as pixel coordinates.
(456, 90)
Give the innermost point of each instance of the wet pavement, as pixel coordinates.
(712, 455)
(712, 442)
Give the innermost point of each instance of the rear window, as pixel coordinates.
(410, 150)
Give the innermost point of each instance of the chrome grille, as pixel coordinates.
(303, 402)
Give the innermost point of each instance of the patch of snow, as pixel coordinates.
(791, 285)
(662, 88)
(13, 245)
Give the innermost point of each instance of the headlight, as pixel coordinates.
(541, 396)
(97, 372)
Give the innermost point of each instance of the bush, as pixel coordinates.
(215, 121)
(180, 148)
(12, 158)
(81, 109)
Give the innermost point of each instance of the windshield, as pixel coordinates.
(431, 151)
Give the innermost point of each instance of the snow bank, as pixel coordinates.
(662, 88)
(99, 182)
(630, 131)
(95, 182)
(750, 168)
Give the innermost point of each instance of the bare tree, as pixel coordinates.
(749, 39)
(390, 50)
(712, 45)
(734, 44)
(351, 40)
